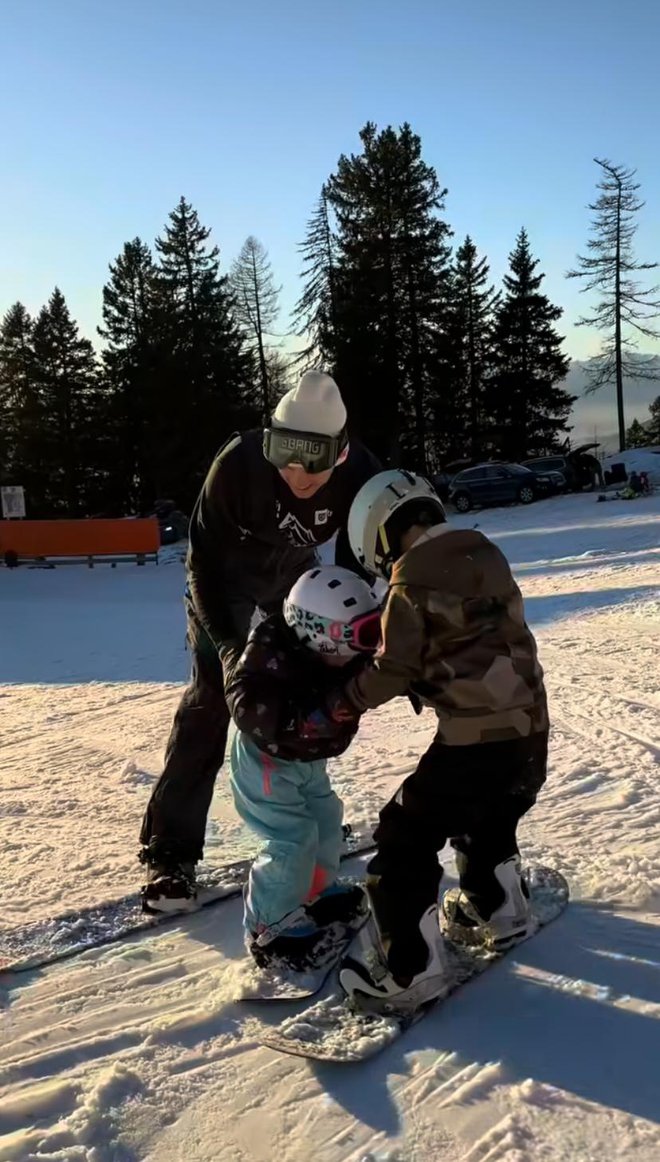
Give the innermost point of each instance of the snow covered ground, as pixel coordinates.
(140, 1052)
(638, 460)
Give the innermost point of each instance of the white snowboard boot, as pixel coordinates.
(366, 978)
(509, 924)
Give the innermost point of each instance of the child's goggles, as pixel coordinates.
(365, 632)
(361, 634)
(314, 452)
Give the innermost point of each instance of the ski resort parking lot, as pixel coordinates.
(140, 1051)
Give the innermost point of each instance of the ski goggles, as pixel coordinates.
(365, 632)
(362, 634)
(313, 452)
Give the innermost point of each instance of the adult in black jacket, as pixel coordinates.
(270, 498)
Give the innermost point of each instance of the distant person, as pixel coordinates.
(269, 499)
(589, 470)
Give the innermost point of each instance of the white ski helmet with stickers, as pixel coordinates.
(334, 612)
(377, 518)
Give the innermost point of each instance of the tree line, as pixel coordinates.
(647, 434)
(435, 363)
(86, 433)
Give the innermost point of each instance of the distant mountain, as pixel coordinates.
(597, 413)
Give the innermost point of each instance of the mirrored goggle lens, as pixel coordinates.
(314, 453)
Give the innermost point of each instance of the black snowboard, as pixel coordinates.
(43, 942)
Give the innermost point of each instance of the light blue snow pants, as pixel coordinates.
(293, 807)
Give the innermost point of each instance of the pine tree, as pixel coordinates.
(280, 374)
(315, 313)
(7, 438)
(66, 379)
(20, 416)
(654, 427)
(424, 254)
(528, 406)
(624, 309)
(256, 307)
(637, 435)
(376, 289)
(132, 362)
(471, 323)
(207, 386)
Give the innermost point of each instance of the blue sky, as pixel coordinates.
(112, 110)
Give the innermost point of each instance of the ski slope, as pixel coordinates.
(140, 1053)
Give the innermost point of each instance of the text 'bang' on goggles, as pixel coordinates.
(314, 452)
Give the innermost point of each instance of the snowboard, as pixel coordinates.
(335, 1030)
(281, 983)
(42, 942)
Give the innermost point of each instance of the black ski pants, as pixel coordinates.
(471, 795)
(175, 818)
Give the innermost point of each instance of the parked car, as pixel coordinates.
(555, 478)
(495, 484)
(578, 467)
(442, 480)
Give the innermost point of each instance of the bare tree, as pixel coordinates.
(624, 309)
(256, 308)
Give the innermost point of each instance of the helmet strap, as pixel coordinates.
(384, 560)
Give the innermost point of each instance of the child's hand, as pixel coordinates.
(316, 724)
(340, 708)
(323, 721)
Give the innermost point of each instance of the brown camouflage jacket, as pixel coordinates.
(454, 633)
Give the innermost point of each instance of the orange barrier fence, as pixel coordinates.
(79, 538)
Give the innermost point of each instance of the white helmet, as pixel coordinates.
(334, 611)
(372, 532)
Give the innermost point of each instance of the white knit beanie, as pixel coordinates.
(315, 405)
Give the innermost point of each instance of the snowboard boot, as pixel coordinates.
(510, 923)
(296, 944)
(368, 981)
(171, 885)
(341, 903)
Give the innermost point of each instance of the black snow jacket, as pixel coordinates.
(250, 537)
(275, 684)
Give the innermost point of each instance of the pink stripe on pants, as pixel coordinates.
(267, 767)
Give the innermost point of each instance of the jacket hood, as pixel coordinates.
(461, 560)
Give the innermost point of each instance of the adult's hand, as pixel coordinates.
(229, 653)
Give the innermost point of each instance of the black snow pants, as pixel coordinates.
(175, 818)
(471, 795)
